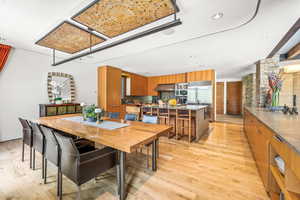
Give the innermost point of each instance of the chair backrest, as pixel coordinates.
(69, 156)
(133, 110)
(114, 115)
(51, 145)
(150, 119)
(131, 117)
(27, 131)
(37, 137)
(24, 123)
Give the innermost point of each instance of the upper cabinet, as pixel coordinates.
(153, 81)
(173, 78)
(109, 88)
(205, 75)
(138, 85)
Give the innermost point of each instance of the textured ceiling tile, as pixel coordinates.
(113, 18)
(69, 38)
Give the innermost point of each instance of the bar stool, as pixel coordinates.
(163, 116)
(183, 117)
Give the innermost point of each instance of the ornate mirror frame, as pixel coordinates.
(50, 87)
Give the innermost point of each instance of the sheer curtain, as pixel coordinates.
(4, 51)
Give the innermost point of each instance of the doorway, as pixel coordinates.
(234, 98)
(220, 98)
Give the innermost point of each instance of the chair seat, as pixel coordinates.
(84, 145)
(163, 116)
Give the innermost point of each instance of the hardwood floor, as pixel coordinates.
(219, 167)
(234, 119)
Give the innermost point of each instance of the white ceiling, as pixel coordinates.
(193, 45)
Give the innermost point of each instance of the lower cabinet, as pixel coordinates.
(267, 147)
(59, 109)
(259, 140)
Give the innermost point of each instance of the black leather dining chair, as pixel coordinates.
(82, 166)
(38, 144)
(26, 138)
(52, 149)
(51, 152)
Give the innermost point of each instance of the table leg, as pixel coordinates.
(154, 155)
(121, 174)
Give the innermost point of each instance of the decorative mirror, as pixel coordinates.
(61, 88)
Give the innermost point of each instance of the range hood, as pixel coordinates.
(165, 88)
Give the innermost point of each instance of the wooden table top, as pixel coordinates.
(125, 139)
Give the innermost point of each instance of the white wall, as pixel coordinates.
(23, 86)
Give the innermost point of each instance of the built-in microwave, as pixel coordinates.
(181, 89)
(183, 92)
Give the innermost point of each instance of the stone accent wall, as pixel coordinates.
(296, 89)
(286, 93)
(263, 68)
(249, 90)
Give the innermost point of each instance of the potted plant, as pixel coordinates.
(90, 114)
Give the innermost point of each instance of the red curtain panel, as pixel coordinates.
(4, 51)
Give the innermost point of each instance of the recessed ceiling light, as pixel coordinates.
(217, 16)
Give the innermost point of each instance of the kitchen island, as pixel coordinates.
(195, 119)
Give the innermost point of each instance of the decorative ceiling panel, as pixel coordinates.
(114, 17)
(69, 38)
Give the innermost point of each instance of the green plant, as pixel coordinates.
(90, 111)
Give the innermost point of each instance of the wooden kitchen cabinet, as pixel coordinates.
(139, 85)
(152, 84)
(109, 88)
(259, 139)
(205, 75)
(266, 145)
(153, 81)
(173, 78)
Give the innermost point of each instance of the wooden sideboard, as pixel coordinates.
(59, 109)
(266, 145)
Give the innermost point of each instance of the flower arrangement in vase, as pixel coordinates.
(275, 84)
(90, 114)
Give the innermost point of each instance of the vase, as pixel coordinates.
(91, 119)
(275, 99)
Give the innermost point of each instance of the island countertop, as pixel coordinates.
(287, 127)
(179, 107)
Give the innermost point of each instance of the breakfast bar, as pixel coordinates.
(185, 120)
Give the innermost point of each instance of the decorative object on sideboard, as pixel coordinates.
(61, 88)
(275, 84)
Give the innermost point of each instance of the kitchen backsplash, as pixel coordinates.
(138, 99)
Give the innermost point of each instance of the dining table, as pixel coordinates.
(126, 139)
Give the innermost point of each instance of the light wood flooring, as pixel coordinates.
(219, 167)
(233, 119)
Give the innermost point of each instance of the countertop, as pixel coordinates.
(180, 107)
(287, 127)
